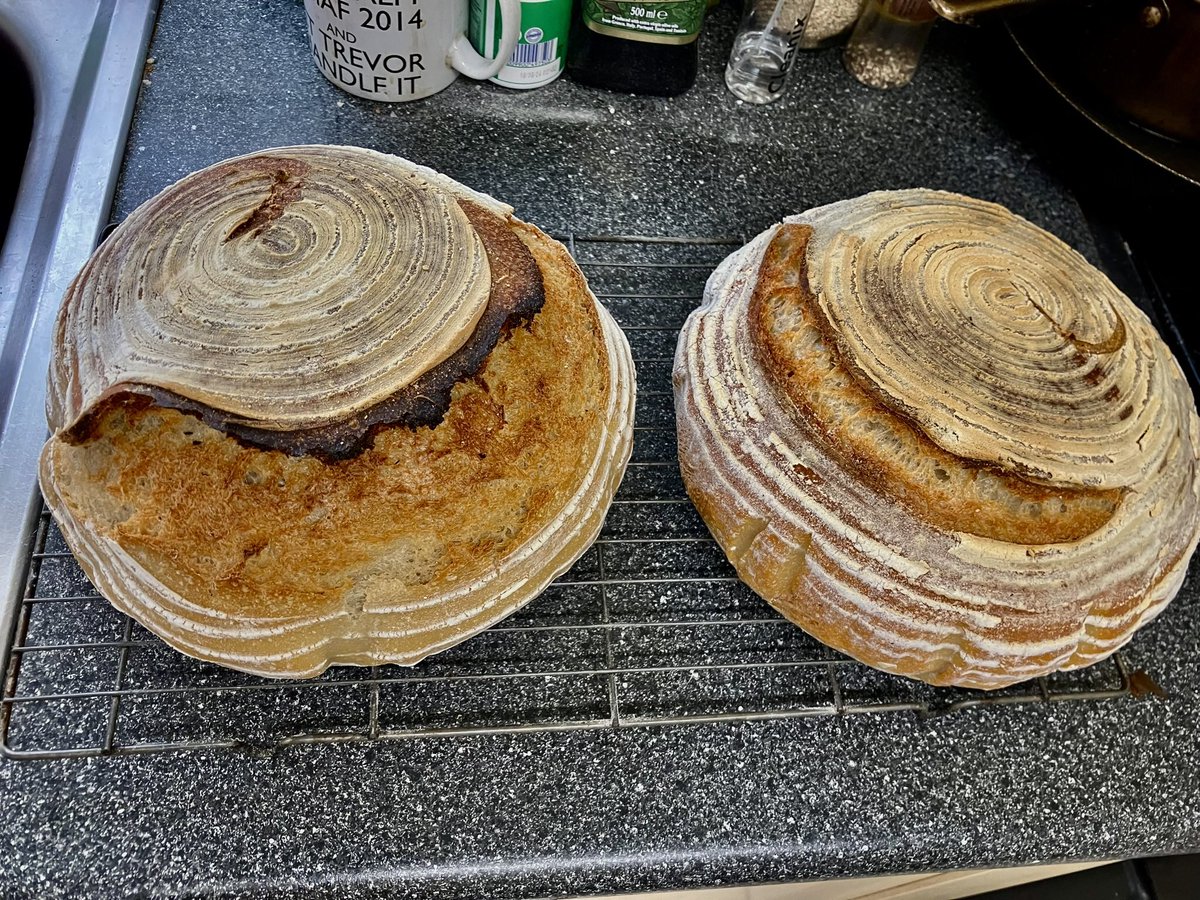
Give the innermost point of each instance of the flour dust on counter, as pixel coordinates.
(501, 773)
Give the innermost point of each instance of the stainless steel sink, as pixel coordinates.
(15, 75)
(82, 60)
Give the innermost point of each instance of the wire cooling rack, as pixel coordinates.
(650, 628)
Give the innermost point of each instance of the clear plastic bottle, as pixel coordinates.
(765, 48)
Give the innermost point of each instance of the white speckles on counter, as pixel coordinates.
(598, 811)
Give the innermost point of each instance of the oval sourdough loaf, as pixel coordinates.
(321, 405)
(937, 439)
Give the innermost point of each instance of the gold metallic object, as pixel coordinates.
(965, 10)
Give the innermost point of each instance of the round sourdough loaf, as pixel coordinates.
(937, 439)
(320, 405)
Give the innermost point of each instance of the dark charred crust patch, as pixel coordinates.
(87, 426)
(516, 296)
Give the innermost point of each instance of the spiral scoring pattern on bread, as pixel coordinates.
(851, 363)
(283, 563)
(289, 288)
(995, 340)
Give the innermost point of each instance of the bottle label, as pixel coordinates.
(538, 57)
(654, 21)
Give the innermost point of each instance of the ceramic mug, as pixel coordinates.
(398, 50)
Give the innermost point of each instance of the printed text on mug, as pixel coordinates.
(372, 72)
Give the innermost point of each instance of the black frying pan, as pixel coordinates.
(1132, 67)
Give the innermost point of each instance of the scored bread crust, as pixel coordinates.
(290, 288)
(281, 565)
(853, 515)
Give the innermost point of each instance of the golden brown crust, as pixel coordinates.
(513, 299)
(826, 497)
(796, 348)
(286, 187)
(247, 535)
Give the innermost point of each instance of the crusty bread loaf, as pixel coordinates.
(938, 440)
(282, 563)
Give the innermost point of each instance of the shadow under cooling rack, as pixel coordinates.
(650, 627)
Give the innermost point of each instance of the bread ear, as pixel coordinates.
(264, 556)
(981, 450)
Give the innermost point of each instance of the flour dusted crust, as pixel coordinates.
(287, 288)
(282, 562)
(937, 439)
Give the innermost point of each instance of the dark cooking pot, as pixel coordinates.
(1140, 58)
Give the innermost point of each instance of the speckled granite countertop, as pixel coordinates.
(639, 808)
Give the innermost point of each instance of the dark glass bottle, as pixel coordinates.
(639, 47)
